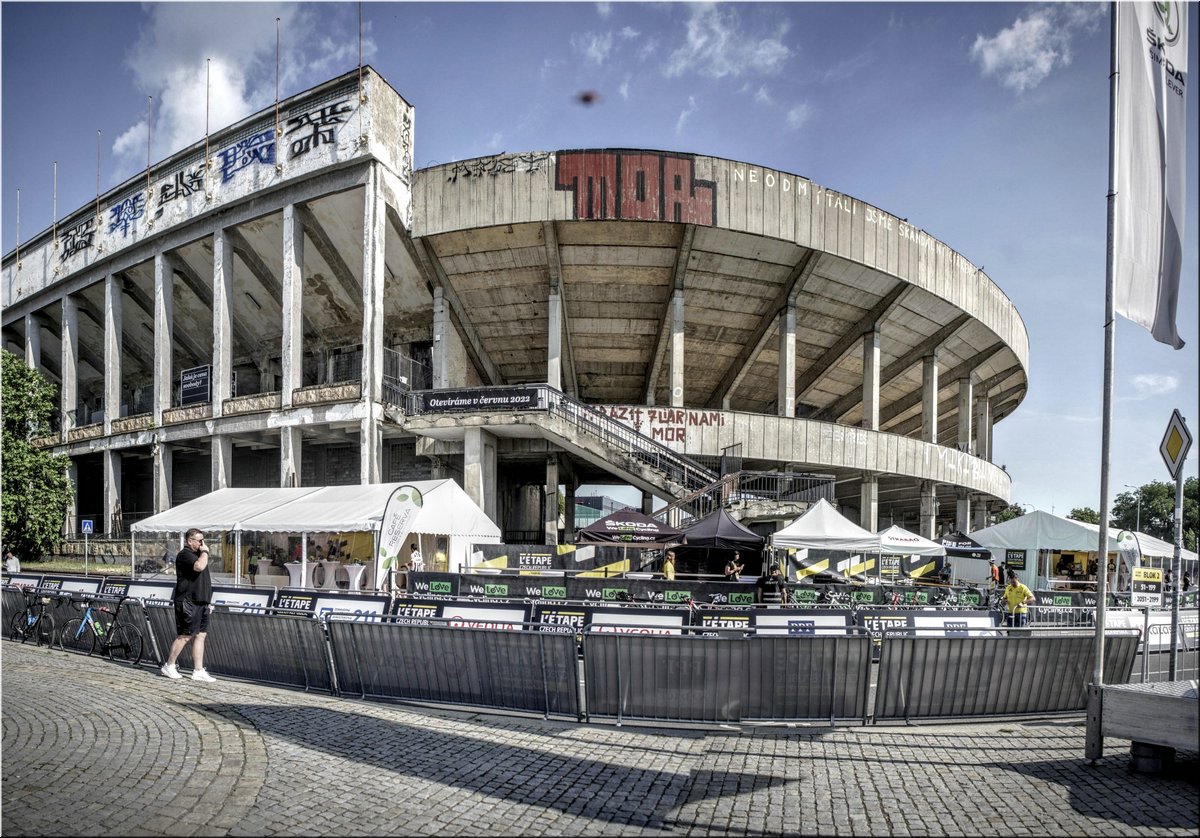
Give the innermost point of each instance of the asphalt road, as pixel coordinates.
(91, 747)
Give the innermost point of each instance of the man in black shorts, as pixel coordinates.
(193, 597)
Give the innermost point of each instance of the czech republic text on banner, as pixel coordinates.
(1151, 148)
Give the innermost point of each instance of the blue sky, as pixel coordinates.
(985, 124)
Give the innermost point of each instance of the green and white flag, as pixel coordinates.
(398, 515)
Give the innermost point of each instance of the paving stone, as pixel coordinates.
(242, 759)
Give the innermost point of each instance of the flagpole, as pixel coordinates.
(1109, 353)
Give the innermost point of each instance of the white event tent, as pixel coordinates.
(822, 527)
(446, 510)
(897, 541)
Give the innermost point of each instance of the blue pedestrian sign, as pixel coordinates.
(85, 526)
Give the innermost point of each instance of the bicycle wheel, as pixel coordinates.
(76, 636)
(43, 630)
(124, 644)
(18, 627)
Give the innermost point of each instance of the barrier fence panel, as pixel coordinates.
(665, 677)
(795, 678)
(1027, 673)
(274, 649)
(515, 670)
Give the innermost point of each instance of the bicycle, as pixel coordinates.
(33, 621)
(122, 642)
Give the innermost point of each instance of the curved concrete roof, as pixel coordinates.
(620, 230)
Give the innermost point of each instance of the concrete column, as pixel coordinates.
(222, 308)
(981, 515)
(550, 500)
(164, 317)
(962, 511)
(479, 470)
(929, 509)
(71, 519)
(290, 441)
(374, 241)
(554, 341)
(163, 469)
(292, 358)
(965, 397)
(929, 398)
(868, 510)
(113, 329)
(677, 359)
(222, 462)
(370, 464)
(647, 503)
(33, 342)
(983, 427)
(870, 386)
(441, 343)
(69, 395)
(112, 489)
(569, 512)
(786, 401)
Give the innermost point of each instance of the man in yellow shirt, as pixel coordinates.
(1019, 598)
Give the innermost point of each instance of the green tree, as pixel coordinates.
(1157, 513)
(1085, 514)
(1009, 512)
(35, 486)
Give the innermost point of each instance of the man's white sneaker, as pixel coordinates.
(170, 670)
(202, 675)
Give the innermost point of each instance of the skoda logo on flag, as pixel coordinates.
(1170, 15)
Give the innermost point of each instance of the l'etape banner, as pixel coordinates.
(398, 514)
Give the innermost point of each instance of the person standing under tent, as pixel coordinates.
(771, 586)
(994, 572)
(415, 560)
(193, 605)
(669, 566)
(734, 567)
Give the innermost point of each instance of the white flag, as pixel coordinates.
(1151, 149)
(398, 515)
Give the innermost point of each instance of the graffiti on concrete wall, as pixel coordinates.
(637, 186)
(665, 424)
(504, 165)
(80, 237)
(124, 213)
(320, 124)
(259, 148)
(183, 184)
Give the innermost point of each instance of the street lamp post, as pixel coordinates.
(1138, 526)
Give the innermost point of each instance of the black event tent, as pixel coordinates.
(720, 529)
(628, 526)
(962, 546)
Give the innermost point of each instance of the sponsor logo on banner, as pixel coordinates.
(398, 514)
(643, 622)
(471, 616)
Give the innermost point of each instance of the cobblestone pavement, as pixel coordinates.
(92, 747)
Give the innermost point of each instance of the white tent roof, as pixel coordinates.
(1149, 545)
(446, 510)
(1040, 530)
(823, 527)
(898, 541)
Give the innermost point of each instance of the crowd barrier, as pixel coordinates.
(790, 669)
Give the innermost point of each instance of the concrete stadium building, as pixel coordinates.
(289, 303)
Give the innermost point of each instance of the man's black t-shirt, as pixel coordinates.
(191, 584)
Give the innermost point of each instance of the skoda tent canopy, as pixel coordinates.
(631, 528)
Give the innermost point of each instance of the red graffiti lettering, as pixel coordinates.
(636, 185)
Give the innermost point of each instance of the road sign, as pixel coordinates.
(85, 526)
(1175, 444)
(1146, 587)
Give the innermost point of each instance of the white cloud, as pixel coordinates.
(1024, 54)
(762, 95)
(623, 89)
(1147, 385)
(221, 56)
(685, 114)
(716, 46)
(628, 33)
(798, 116)
(595, 48)
(604, 9)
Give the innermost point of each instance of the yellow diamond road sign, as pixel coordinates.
(1175, 444)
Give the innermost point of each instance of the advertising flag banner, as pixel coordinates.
(398, 514)
(1150, 149)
